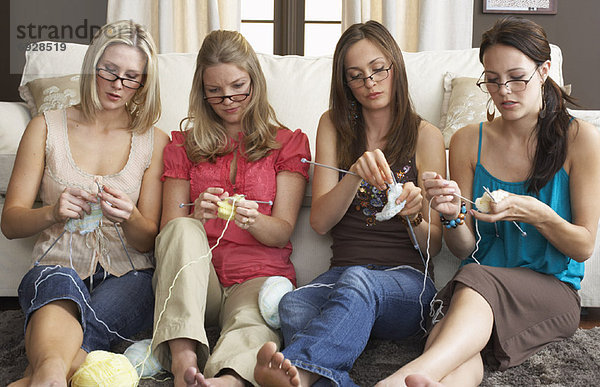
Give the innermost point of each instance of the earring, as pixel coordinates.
(490, 106)
(542, 113)
(353, 111)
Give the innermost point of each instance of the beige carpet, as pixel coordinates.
(572, 362)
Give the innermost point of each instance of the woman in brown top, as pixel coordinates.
(377, 283)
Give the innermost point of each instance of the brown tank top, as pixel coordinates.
(359, 239)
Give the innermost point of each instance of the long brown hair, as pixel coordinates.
(345, 110)
(553, 126)
(207, 138)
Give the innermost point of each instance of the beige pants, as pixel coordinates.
(197, 298)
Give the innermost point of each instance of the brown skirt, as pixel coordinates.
(531, 310)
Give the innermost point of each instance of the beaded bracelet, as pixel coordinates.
(455, 222)
(415, 222)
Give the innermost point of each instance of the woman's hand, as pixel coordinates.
(205, 206)
(116, 205)
(440, 192)
(520, 208)
(414, 200)
(73, 203)
(246, 212)
(373, 168)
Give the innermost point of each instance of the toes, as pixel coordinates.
(265, 354)
(189, 376)
(277, 360)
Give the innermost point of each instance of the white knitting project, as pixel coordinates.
(391, 208)
(483, 203)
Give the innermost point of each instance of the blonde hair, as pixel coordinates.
(207, 138)
(144, 108)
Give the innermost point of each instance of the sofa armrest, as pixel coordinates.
(15, 117)
(591, 116)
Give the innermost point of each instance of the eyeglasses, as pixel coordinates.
(111, 77)
(512, 85)
(377, 76)
(232, 97)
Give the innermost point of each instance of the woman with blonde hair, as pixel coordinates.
(233, 152)
(97, 168)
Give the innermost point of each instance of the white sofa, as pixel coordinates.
(299, 92)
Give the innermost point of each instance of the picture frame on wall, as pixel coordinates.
(520, 6)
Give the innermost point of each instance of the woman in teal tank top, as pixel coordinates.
(523, 258)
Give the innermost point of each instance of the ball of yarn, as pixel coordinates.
(137, 352)
(269, 296)
(105, 369)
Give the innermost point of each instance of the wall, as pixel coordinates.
(69, 20)
(576, 29)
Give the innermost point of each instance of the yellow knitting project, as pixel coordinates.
(105, 369)
(226, 208)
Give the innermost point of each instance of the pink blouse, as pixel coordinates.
(239, 256)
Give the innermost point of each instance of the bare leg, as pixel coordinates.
(274, 370)
(416, 380)
(53, 344)
(184, 362)
(455, 344)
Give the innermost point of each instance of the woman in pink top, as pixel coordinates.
(213, 268)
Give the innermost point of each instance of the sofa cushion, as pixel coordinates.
(466, 104)
(51, 93)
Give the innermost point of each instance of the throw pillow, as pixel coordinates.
(466, 104)
(51, 93)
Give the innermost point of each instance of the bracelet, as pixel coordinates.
(455, 222)
(415, 222)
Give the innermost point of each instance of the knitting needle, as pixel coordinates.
(327, 166)
(100, 190)
(270, 202)
(486, 189)
(413, 236)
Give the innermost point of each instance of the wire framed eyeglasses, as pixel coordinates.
(377, 76)
(515, 85)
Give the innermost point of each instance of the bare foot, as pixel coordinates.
(24, 382)
(194, 378)
(50, 372)
(273, 369)
(417, 380)
(397, 379)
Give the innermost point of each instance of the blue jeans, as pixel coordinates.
(327, 323)
(125, 304)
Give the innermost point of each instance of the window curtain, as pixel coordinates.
(178, 25)
(417, 25)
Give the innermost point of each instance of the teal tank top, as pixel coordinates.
(502, 244)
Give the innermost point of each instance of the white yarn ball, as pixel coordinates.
(137, 352)
(269, 296)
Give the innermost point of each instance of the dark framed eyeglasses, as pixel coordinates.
(111, 77)
(377, 76)
(232, 97)
(511, 85)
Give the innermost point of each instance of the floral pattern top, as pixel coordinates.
(359, 239)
